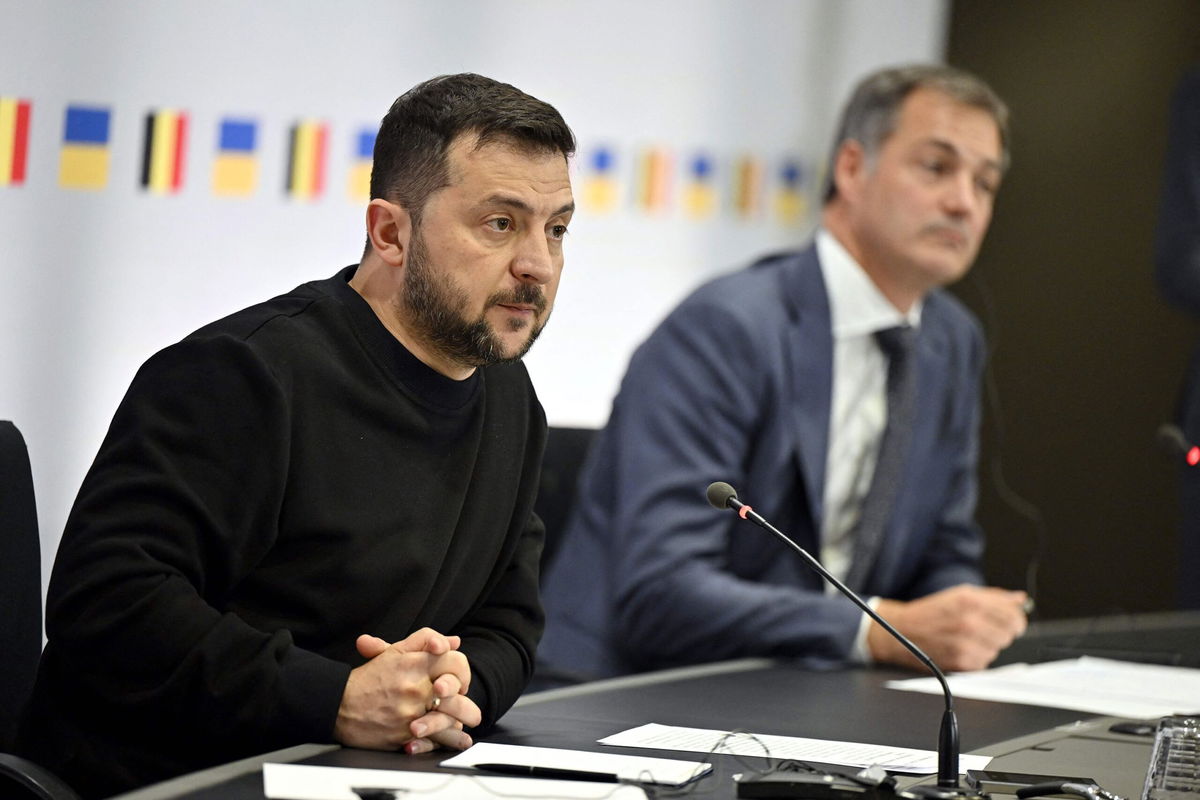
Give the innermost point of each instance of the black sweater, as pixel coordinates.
(271, 487)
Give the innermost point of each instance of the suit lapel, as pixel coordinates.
(810, 350)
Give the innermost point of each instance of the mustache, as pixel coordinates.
(950, 226)
(525, 294)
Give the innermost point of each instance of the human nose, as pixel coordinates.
(960, 198)
(533, 261)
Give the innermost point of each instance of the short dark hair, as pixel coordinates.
(871, 114)
(410, 149)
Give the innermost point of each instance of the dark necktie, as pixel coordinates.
(897, 344)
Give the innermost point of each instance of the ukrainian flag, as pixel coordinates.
(235, 168)
(600, 186)
(83, 163)
(360, 169)
(791, 206)
(699, 194)
(163, 150)
(653, 180)
(14, 140)
(306, 160)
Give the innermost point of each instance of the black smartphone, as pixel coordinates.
(988, 780)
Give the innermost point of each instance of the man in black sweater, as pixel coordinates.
(312, 521)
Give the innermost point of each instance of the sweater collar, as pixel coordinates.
(424, 381)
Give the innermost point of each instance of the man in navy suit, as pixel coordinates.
(773, 379)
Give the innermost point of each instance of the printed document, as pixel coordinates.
(305, 782)
(846, 754)
(1094, 685)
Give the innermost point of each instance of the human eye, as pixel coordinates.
(500, 224)
(935, 165)
(557, 232)
(987, 184)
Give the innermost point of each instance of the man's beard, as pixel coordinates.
(434, 307)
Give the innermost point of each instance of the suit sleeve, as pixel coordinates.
(181, 502)
(692, 404)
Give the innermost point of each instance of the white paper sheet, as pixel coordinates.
(1094, 685)
(668, 771)
(848, 754)
(305, 782)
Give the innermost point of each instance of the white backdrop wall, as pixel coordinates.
(94, 281)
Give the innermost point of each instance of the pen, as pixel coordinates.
(549, 772)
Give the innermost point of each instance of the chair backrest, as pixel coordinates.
(566, 449)
(20, 581)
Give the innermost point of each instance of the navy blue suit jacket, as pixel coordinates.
(735, 385)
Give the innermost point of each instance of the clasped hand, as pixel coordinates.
(411, 694)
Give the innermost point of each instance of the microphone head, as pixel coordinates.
(1170, 439)
(1173, 442)
(720, 493)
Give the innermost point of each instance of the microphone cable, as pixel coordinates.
(1009, 496)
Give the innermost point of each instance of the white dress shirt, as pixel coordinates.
(858, 407)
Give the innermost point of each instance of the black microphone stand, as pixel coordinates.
(722, 495)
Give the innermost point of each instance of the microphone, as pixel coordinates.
(722, 496)
(1172, 442)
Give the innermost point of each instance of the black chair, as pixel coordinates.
(20, 618)
(566, 449)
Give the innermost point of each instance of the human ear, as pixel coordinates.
(849, 166)
(389, 228)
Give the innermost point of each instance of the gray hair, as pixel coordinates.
(871, 114)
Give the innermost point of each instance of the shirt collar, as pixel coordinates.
(856, 306)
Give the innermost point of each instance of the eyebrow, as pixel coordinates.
(521, 205)
(942, 144)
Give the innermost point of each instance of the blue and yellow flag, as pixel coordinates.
(235, 168)
(307, 147)
(360, 167)
(700, 191)
(14, 140)
(164, 146)
(83, 163)
(600, 188)
(791, 206)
